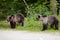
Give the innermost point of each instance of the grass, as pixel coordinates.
(30, 25)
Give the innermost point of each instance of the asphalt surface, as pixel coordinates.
(26, 35)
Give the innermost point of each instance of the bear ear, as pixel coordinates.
(38, 16)
(12, 15)
(9, 17)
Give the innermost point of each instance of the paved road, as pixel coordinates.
(26, 35)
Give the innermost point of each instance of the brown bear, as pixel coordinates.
(12, 19)
(52, 20)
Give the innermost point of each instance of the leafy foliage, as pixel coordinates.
(9, 7)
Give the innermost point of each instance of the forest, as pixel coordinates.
(29, 8)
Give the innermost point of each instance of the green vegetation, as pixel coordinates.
(30, 25)
(29, 8)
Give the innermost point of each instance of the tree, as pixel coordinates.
(26, 6)
(53, 7)
(58, 7)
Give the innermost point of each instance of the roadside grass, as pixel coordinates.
(30, 25)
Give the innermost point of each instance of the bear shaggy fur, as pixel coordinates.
(52, 20)
(12, 19)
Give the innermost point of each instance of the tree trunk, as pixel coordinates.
(58, 7)
(53, 6)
